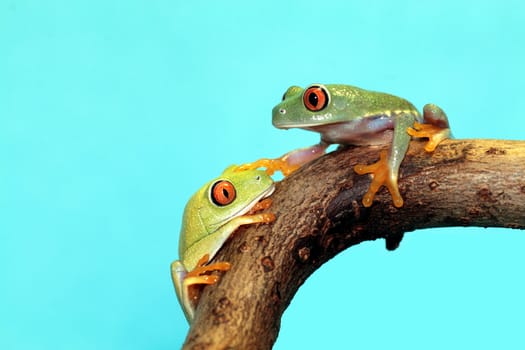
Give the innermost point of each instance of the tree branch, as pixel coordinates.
(319, 213)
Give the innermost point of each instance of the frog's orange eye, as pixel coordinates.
(223, 193)
(315, 98)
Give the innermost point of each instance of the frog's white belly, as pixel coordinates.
(365, 131)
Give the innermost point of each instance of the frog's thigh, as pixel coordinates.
(435, 127)
(178, 273)
(433, 114)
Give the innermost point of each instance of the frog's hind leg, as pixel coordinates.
(386, 170)
(381, 175)
(200, 275)
(435, 127)
(185, 282)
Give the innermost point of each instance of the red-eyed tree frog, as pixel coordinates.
(348, 115)
(211, 215)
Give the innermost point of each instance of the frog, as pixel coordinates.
(349, 115)
(210, 217)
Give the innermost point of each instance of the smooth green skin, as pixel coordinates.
(346, 103)
(354, 116)
(206, 226)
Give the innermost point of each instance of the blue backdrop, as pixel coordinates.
(110, 114)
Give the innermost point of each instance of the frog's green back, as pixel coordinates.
(192, 228)
(361, 102)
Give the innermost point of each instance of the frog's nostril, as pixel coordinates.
(258, 178)
(282, 111)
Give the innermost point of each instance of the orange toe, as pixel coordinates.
(435, 134)
(380, 176)
(202, 268)
(271, 166)
(261, 205)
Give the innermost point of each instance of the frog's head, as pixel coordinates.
(315, 105)
(233, 194)
(228, 196)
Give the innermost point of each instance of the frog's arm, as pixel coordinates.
(183, 280)
(386, 170)
(435, 127)
(289, 162)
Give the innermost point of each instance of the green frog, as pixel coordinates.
(211, 215)
(348, 115)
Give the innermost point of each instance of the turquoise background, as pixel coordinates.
(112, 113)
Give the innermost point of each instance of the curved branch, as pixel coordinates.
(319, 213)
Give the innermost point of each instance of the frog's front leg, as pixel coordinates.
(386, 170)
(289, 162)
(435, 127)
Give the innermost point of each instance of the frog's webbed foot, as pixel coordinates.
(289, 162)
(199, 274)
(434, 134)
(435, 127)
(186, 283)
(261, 205)
(271, 166)
(381, 175)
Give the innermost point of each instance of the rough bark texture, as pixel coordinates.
(319, 213)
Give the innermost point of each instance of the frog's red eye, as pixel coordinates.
(315, 98)
(223, 193)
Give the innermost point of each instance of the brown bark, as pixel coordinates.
(319, 214)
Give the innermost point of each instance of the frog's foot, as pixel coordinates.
(251, 219)
(435, 127)
(199, 275)
(289, 162)
(261, 205)
(435, 134)
(381, 175)
(271, 166)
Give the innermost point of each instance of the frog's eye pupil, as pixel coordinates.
(222, 193)
(315, 98)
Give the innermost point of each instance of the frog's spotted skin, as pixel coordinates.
(210, 217)
(344, 114)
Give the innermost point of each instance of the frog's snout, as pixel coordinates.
(278, 111)
(279, 116)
